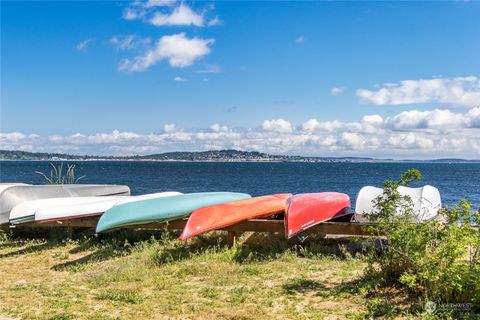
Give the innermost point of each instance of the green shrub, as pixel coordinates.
(437, 260)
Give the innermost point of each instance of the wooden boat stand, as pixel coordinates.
(254, 225)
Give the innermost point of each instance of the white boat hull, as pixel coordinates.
(426, 201)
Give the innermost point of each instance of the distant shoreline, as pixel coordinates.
(243, 161)
(234, 156)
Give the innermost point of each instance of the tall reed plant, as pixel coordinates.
(60, 176)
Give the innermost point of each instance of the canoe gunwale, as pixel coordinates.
(342, 213)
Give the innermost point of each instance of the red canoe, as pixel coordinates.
(309, 209)
(227, 214)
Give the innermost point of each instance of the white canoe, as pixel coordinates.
(5, 185)
(95, 207)
(426, 200)
(54, 209)
(25, 211)
(16, 195)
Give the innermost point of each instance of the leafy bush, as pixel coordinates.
(57, 176)
(437, 260)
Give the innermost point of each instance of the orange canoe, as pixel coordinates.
(223, 215)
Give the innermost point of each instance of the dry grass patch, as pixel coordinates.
(159, 277)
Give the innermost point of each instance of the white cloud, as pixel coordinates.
(278, 125)
(410, 134)
(374, 120)
(337, 90)
(83, 45)
(182, 15)
(12, 137)
(218, 128)
(352, 140)
(460, 91)
(169, 127)
(435, 119)
(177, 49)
(300, 39)
(170, 13)
(180, 79)
(310, 125)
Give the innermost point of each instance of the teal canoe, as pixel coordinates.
(162, 209)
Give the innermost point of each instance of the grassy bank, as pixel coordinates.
(159, 278)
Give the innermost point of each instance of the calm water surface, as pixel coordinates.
(455, 181)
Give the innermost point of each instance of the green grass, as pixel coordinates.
(154, 276)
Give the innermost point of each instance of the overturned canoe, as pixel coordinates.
(309, 209)
(426, 201)
(5, 185)
(162, 209)
(223, 215)
(27, 211)
(94, 206)
(15, 195)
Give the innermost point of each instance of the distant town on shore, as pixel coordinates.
(212, 155)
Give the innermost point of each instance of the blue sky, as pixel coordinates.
(321, 78)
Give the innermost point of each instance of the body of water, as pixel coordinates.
(455, 181)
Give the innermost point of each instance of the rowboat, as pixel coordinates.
(162, 209)
(15, 195)
(309, 209)
(426, 201)
(223, 215)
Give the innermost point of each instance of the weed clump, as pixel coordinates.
(436, 260)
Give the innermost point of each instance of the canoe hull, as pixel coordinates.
(15, 195)
(426, 201)
(27, 211)
(164, 209)
(227, 214)
(307, 210)
(95, 206)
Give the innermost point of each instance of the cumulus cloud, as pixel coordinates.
(460, 91)
(169, 127)
(410, 134)
(179, 50)
(277, 125)
(180, 79)
(83, 45)
(182, 15)
(310, 125)
(441, 119)
(170, 13)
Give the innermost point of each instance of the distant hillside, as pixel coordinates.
(214, 155)
(23, 155)
(220, 155)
